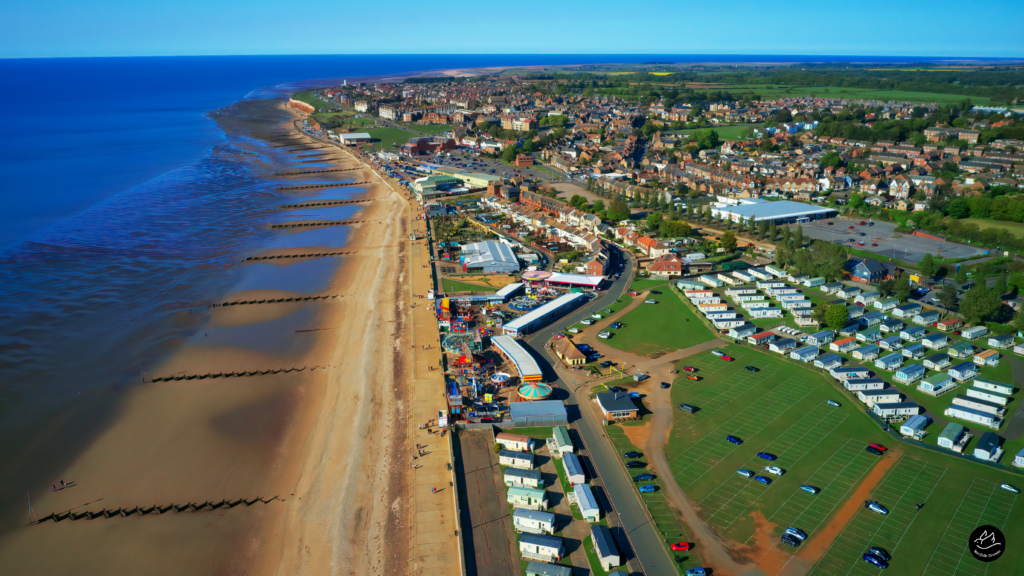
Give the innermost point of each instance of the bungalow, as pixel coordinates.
(782, 346)
(971, 415)
(514, 442)
(963, 372)
(892, 343)
(961, 350)
(896, 410)
(515, 459)
(868, 271)
(992, 385)
(987, 358)
(866, 353)
(914, 427)
(937, 361)
(535, 568)
(573, 469)
(762, 338)
(988, 396)
(935, 341)
(886, 304)
(913, 333)
(870, 335)
(906, 310)
(915, 351)
(821, 338)
(616, 405)
(871, 319)
(805, 354)
(949, 324)
(604, 545)
(560, 443)
(829, 361)
(926, 317)
(890, 362)
(909, 374)
(883, 396)
(936, 384)
(890, 326)
(1001, 341)
(974, 332)
(831, 287)
(533, 521)
(848, 292)
(864, 384)
(521, 477)
(530, 498)
(844, 345)
(844, 374)
(540, 547)
(586, 503)
(988, 447)
(814, 282)
(954, 437)
(744, 331)
(867, 298)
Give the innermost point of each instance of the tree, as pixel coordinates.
(928, 265)
(979, 304)
(509, 153)
(819, 315)
(830, 159)
(674, 229)
(856, 200)
(902, 290)
(836, 316)
(729, 241)
(947, 297)
(617, 210)
(887, 287)
(598, 206)
(1018, 321)
(654, 220)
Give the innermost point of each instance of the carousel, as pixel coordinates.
(534, 391)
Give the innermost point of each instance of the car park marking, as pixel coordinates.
(975, 509)
(719, 396)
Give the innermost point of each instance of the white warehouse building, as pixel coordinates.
(781, 212)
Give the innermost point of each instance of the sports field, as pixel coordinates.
(654, 329)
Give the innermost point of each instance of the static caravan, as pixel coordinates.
(937, 362)
(798, 278)
(604, 546)
(533, 521)
(890, 326)
(915, 351)
(560, 443)
(515, 459)
(742, 331)
(728, 323)
(913, 333)
(890, 362)
(892, 343)
(963, 372)
(689, 284)
(843, 346)
(867, 298)
(971, 415)
(906, 310)
(961, 350)
(949, 324)
(540, 547)
(586, 503)
(535, 568)
(821, 338)
(866, 353)
(721, 315)
(711, 281)
(954, 437)
(766, 312)
(573, 469)
(883, 396)
(814, 282)
(521, 477)
(886, 304)
(844, 374)
(979, 404)
(914, 427)
(856, 385)
(805, 354)
(994, 397)
(795, 304)
(988, 447)
(848, 292)
(802, 312)
(869, 319)
(829, 361)
(775, 271)
(748, 298)
(986, 384)
(926, 317)
(529, 498)
(987, 358)
(782, 346)
(770, 285)
(698, 293)
(755, 304)
(831, 287)
(743, 276)
(514, 442)
(896, 410)
(909, 374)
(760, 273)
(1001, 341)
(789, 297)
(854, 312)
(870, 335)
(974, 332)
(728, 279)
(935, 341)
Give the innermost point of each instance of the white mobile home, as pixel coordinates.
(533, 521)
(573, 469)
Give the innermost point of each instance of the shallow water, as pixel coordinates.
(305, 277)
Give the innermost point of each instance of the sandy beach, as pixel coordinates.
(331, 443)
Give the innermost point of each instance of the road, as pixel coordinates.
(644, 539)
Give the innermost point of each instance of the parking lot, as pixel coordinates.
(882, 239)
(910, 482)
(473, 163)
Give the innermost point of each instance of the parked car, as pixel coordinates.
(650, 301)
(829, 223)
(745, 473)
(718, 353)
(607, 364)
(634, 293)
(862, 223)
(880, 552)
(734, 440)
(647, 488)
(790, 540)
(810, 489)
(751, 369)
(851, 227)
(635, 464)
(796, 532)
(665, 384)
(873, 245)
(586, 321)
(573, 330)
(874, 450)
(698, 571)
(643, 477)
(689, 368)
(872, 559)
(615, 325)
(876, 507)
(774, 470)
(767, 456)
(688, 408)
(877, 446)
(633, 454)
(596, 316)
(604, 335)
(607, 310)
(692, 377)
(1010, 488)
(680, 546)
(726, 357)
(834, 403)
(763, 479)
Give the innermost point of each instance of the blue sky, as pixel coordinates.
(47, 28)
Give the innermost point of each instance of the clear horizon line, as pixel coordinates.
(653, 54)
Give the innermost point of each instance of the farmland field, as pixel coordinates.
(1015, 228)
(781, 91)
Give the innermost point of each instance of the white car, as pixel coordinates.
(718, 353)
(586, 321)
(652, 301)
(796, 533)
(596, 316)
(774, 470)
(604, 335)
(573, 330)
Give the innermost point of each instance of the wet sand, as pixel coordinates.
(330, 444)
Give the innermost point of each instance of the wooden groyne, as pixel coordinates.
(325, 170)
(322, 204)
(155, 509)
(242, 374)
(318, 224)
(274, 300)
(321, 186)
(293, 256)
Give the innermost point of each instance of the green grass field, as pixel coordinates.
(430, 128)
(646, 284)
(779, 91)
(654, 329)
(390, 138)
(448, 285)
(724, 132)
(309, 98)
(1015, 228)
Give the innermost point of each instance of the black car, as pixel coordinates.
(752, 369)
(607, 364)
(635, 464)
(655, 292)
(664, 384)
(633, 454)
(880, 552)
(874, 451)
(790, 540)
(642, 477)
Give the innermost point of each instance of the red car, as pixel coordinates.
(633, 292)
(878, 447)
(680, 546)
(726, 358)
(860, 243)
(862, 223)
(692, 377)
(689, 368)
(851, 227)
(874, 245)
